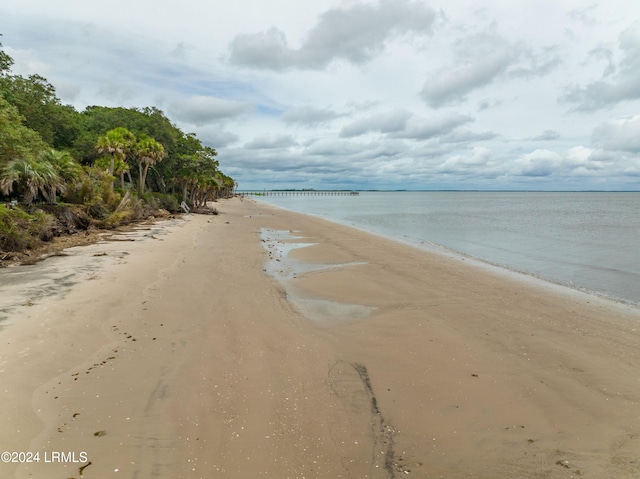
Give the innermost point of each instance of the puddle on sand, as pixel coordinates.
(278, 245)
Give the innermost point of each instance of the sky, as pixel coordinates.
(371, 94)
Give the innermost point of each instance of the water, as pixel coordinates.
(588, 240)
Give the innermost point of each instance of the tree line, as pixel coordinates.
(114, 164)
(48, 149)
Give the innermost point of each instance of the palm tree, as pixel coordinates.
(28, 177)
(66, 167)
(120, 168)
(147, 152)
(117, 143)
(228, 185)
(204, 189)
(183, 175)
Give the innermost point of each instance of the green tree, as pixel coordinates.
(65, 166)
(117, 143)
(28, 177)
(147, 152)
(36, 100)
(228, 185)
(120, 168)
(6, 62)
(16, 140)
(95, 120)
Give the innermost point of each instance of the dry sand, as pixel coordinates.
(178, 355)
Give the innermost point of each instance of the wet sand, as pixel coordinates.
(218, 347)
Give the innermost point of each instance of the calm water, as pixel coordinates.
(585, 240)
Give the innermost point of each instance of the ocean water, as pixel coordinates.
(588, 240)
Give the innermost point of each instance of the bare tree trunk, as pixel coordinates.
(143, 177)
(112, 167)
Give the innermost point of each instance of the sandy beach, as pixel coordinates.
(265, 343)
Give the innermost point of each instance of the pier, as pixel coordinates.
(299, 193)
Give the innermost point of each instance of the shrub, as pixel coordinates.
(167, 202)
(43, 226)
(93, 190)
(20, 230)
(116, 219)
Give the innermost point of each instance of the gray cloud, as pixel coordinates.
(532, 63)
(202, 110)
(179, 52)
(217, 138)
(623, 81)
(334, 147)
(605, 53)
(477, 159)
(268, 50)
(478, 59)
(584, 15)
(546, 135)
(619, 135)
(467, 136)
(486, 104)
(388, 122)
(401, 124)
(116, 92)
(354, 34)
(537, 163)
(270, 143)
(481, 58)
(426, 128)
(576, 162)
(310, 116)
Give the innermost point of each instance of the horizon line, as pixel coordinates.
(258, 190)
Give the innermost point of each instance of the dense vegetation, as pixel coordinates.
(60, 168)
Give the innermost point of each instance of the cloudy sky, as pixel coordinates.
(370, 94)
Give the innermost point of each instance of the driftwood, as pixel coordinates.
(124, 202)
(204, 210)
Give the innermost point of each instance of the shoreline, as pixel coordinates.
(509, 272)
(590, 284)
(184, 358)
